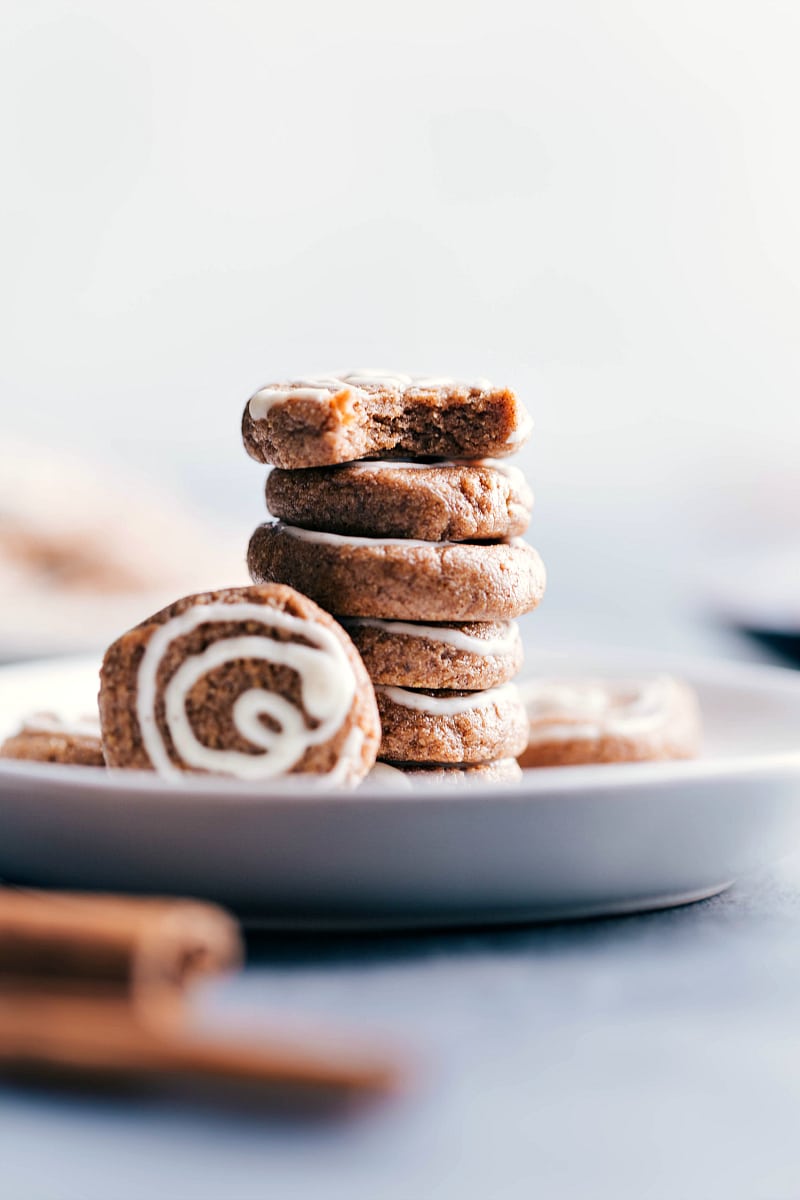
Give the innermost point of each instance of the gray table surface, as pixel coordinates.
(648, 1057)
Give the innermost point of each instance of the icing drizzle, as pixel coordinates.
(50, 723)
(448, 706)
(566, 710)
(351, 539)
(341, 539)
(441, 633)
(324, 387)
(327, 686)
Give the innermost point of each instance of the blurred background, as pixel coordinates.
(594, 203)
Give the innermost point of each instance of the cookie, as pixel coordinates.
(501, 770)
(401, 579)
(606, 721)
(367, 414)
(435, 502)
(480, 654)
(44, 737)
(252, 682)
(403, 777)
(451, 727)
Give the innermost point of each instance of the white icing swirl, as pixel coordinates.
(351, 539)
(341, 539)
(304, 389)
(584, 709)
(351, 752)
(50, 723)
(327, 688)
(441, 633)
(392, 464)
(448, 706)
(324, 387)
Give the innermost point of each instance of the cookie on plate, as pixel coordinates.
(403, 777)
(435, 502)
(367, 414)
(400, 579)
(605, 721)
(500, 770)
(254, 682)
(45, 737)
(439, 728)
(471, 656)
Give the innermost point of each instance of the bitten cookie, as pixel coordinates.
(451, 727)
(435, 502)
(324, 420)
(605, 721)
(252, 682)
(45, 737)
(400, 579)
(469, 657)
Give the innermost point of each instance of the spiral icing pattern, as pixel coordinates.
(327, 690)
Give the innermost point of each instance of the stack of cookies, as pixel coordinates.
(398, 514)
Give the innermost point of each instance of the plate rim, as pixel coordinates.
(536, 782)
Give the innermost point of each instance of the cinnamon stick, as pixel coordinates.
(102, 1042)
(92, 988)
(116, 944)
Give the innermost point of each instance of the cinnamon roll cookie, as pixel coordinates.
(479, 654)
(253, 682)
(604, 721)
(45, 737)
(435, 501)
(450, 727)
(366, 414)
(400, 579)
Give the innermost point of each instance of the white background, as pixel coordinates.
(596, 203)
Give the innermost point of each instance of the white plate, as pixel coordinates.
(565, 842)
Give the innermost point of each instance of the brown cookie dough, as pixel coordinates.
(400, 580)
(450, 727)
(470, 657)
(573, 722)
(436, 502)
(321, 421)
(253, 682)
(44, 737)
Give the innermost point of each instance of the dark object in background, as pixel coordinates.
(784, 644)
(762, 603)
